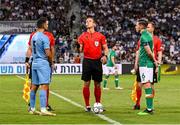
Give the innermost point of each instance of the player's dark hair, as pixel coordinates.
(152, 23)
(41, 22)
(143, 22)
(92, 17)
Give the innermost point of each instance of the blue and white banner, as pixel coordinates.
(13, 48)
(11, 69)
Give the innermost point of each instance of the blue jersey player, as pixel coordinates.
(41, 69)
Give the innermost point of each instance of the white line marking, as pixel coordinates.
(80, 106)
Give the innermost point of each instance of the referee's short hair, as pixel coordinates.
(153, 23)
(41, 21)
(92, 17)
(143, 21)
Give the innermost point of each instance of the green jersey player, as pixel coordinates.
(146, 60)
(111, 67)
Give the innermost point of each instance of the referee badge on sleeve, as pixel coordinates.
(96, 43)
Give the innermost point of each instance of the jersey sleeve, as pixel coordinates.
(46, 44)
(80, 39)
(144, 41)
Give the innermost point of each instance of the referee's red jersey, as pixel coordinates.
(92, 44)
(157, 46)
(48, 34)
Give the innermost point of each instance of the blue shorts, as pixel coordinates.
(41, 75)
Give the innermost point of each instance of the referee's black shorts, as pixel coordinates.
(154, 76)
(92, 69)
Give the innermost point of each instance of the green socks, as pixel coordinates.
(149, 98)
(116, 81)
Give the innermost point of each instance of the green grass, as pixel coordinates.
(118, 104)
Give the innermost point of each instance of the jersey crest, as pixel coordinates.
(96, 43)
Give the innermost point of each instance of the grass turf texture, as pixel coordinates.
(118, 104)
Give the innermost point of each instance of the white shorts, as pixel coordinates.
(109, 70)
(146, 74)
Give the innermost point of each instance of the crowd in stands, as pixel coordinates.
(115, 19)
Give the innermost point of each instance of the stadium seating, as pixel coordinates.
(115, 19)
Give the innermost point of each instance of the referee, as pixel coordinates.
(92, 44)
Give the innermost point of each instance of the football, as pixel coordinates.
(97, 108)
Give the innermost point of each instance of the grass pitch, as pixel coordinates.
(117, 103)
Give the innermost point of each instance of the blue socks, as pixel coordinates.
(32, 99)
(42, 94)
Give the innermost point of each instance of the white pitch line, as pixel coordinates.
(80, 106)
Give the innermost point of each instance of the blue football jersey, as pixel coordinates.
(39, 43)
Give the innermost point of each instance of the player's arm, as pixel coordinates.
(159, 57)
(113, 60)
(80, 42)
(159, 49)
(149, 53)
(47, 48)
(136, 60)
(28, 55)
(52, 53)
(81, 48)
(48, 54)
(28, 52)
(105, 50)
(52, 44)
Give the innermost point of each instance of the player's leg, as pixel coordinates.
(34, 87)
(86, 95)
(44, 80)
(138, 91)
(48, 107)
(155, 80)
(86, 77)
(97, 77)
(116, 81)
(139, 94)
(97, 91)
(146, 79)
(106, 76)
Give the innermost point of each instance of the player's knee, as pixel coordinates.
(44, 87)
(147, 85)
(86, 83)
(34, 87)
(97, 84)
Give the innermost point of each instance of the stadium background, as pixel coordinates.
(116, 20)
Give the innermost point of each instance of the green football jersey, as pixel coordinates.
(144, 59)
(110, 55)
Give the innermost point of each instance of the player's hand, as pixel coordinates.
(53, 67)
(159, 62)
(135, 67)
(156, 63)
(104, 59)
(156, 70)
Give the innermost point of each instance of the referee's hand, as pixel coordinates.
(103, 59)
